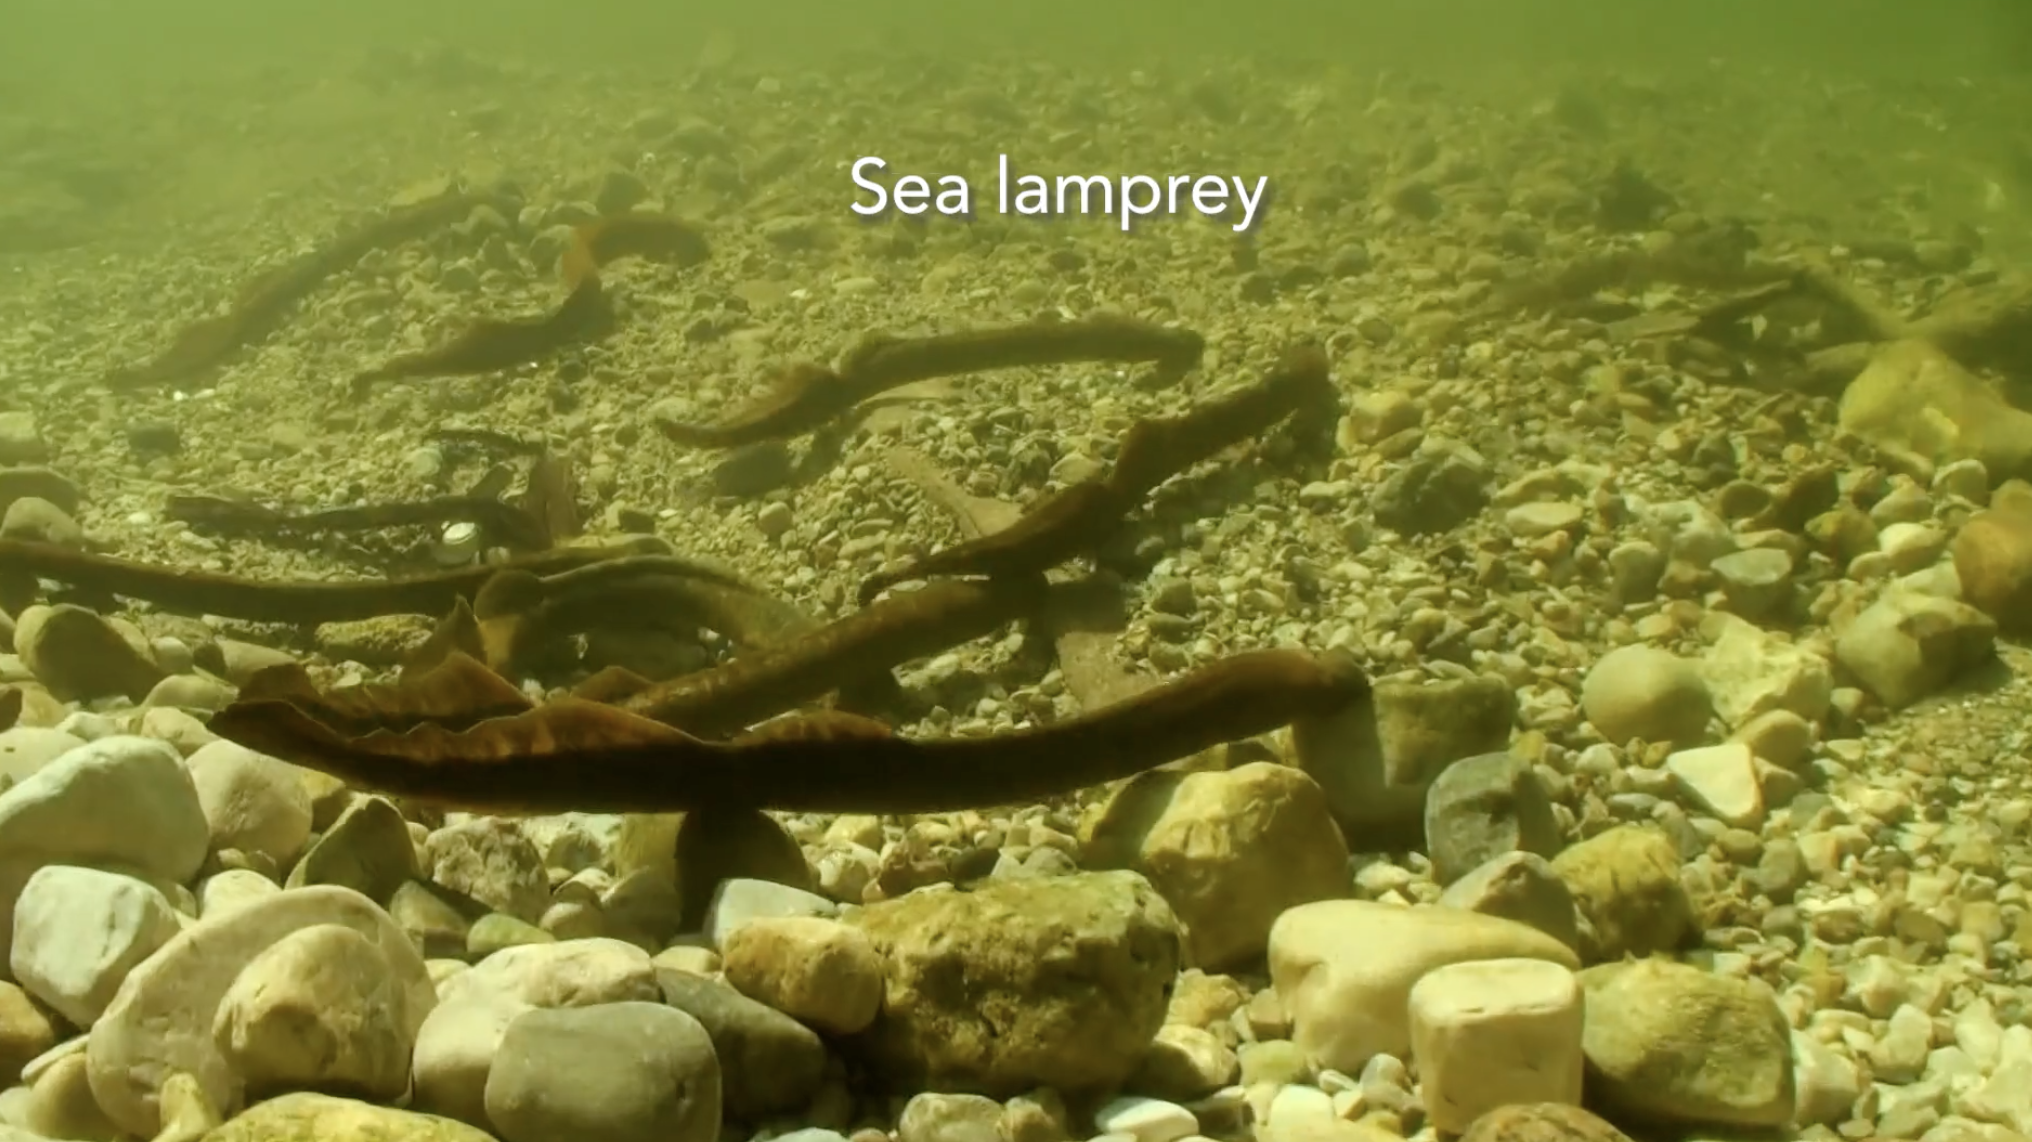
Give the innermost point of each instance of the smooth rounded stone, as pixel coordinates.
(495, 931)
(172, 654)
(490, 860)
(1757, 582)
(455, 1049)
(37, 520)
(238, 661)
(1279, 1061)
(60, 1105)
(1482, 807)
(1146, 1119)
(1493, 1033)
(949, 1118)
(181, 730)
(367, 849)
(308, 1117)
(568, 973)
(233, 888)
(189, 692)
(820, 972)
(952, 957)
(569, 920)
(686, 958)
(1541, 1122)
(1627, 889)
(253, 802)
(1671, 1043)
(1184, 1063)
(1039, 1116)
(79, 655)
(161, 1020)
(79, 931)
(319, 1009)
(1908, 646)
(1345, 969)
(617, 1072)
(442, 970)
(733, 844)
(1647, 693)
(120, 802)
(1229, 849)
(1780, 737)
(24, 750)
(1522, 887)
(1912, 547)
(1634, 571)
(770, 1064)
(1296, 1109)
(1530, 521)
(739, 900)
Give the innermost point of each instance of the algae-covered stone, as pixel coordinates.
(1671, 1043)
(1058, 982)
(1625, 882)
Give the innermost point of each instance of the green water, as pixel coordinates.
(74, 45)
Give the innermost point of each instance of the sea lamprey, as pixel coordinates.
(571, 754)
(805, 397)
(264, 303)
(585, 314)
(1077, 519)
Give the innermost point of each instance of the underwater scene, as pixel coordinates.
(908, 572)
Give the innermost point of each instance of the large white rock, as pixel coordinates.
(79, 931)
(253, 802)
(124, 804)
(1493, 1033)
(1344, 969)
(162, 1019)
(319, 1010)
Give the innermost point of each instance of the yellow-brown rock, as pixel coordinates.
(1993, 558)
(1230, 851)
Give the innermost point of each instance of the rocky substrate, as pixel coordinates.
(1694, 786)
